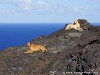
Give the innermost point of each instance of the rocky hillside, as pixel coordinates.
(70, 52)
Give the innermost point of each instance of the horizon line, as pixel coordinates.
(41, 22)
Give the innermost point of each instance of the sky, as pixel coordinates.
(49, 11)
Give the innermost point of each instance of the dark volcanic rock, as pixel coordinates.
(68, 51)
(88, 38)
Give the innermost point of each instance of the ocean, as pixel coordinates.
(20, 34)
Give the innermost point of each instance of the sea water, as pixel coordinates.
(20, 34)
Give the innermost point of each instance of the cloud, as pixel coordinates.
(48, 7)
(97, 2)
(7, 9)
(80, 9)
(19, 4)
(61, 10)
(42, 6)
(24, 4)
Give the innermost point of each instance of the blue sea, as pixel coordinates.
(20, 34)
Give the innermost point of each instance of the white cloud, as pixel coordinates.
(61, 10)
(20, 4)
(25, 4)
(57, 8)
(47, 7)
(7, 9)
(80, 9)
(97, 2)
(43, 6)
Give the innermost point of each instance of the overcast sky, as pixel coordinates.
(48, 11)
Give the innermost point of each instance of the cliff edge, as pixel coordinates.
(68, 52)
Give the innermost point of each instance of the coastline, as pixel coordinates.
(69, 51)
